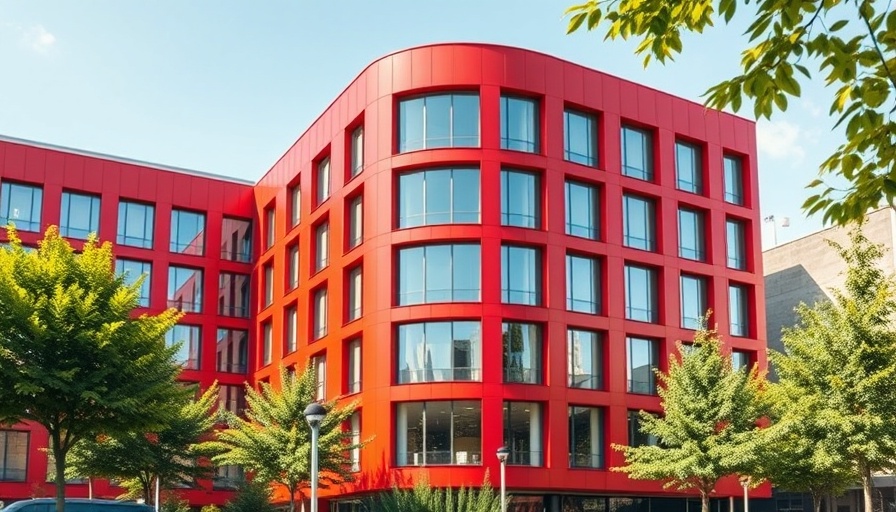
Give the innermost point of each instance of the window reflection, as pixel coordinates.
(187, 232)
(439, 352)
(438, 121)
(432, 433)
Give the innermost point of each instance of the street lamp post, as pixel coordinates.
(502, 453)
(745, 482)
(314, 414)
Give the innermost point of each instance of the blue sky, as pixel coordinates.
(226, 86)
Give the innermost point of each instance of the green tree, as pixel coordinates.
(274, 440)
(251, 497)
(850, 45)
(709, 429)
(139, 458)
(425, 498)
(841, 359)
(72, 357)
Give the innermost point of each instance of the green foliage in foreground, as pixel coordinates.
(252, 496)
(425, 498)
(849, 46)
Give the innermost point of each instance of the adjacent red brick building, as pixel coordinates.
(484, 245)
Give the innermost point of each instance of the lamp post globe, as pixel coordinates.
(502, 453)
(314, 415)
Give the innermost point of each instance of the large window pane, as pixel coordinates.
(233, 295)
(643, 359)
(270, 226)
(635, 436)
(236, 240)
(320, 313)
(357, 151)
(294, 194)
(637, 153)
(355, 222)
(520, 199)
(438, 196)
(189, 351)
(734, 180)
(267, 343)
(13, 455)
(79, 216)
(638, 223)
(688, 167)
(321, 246)
(738, 310)
(693, 301)
(135, 224)
(740, 359)
(434, 433)
(641, 299)
(187, 232)
(439, 273)
(583, 291)
(20, 206)
(133, 270)
(353, 371)
(232, 351)
(519, 124)
(520, 275)
(735, 232)
(322, 179)
(232, 398)
(580, 137)
(584, 359)
(292, 267)
(522, 433)
(522, 353)
(438, 120)
(354, 294)
(586, 437)
(291, 329)
(691, 235)
(582, 210)
(439, 352)
(185, 289)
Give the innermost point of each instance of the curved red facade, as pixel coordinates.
(355, 199)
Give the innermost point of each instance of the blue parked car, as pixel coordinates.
(77, 505)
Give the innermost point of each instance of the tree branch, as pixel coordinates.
(876, 45)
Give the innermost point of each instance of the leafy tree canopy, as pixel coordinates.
(72, 357)
(709, 429)
(851, 46)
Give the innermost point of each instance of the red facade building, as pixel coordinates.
(484, 245)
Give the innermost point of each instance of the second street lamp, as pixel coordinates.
(314, 414)
(502, 454)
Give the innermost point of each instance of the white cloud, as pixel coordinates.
(782, 140)
(38, 38)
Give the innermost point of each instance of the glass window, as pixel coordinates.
(688, 167)
(188, 352)
(734, 179)
(232, 398)
(268, 285)
(187, 232)
(20, 206)
(582, 210)
(355, 222)
(319, 365)
(522, 353)
(355, 429)
(693, 301)
(292, 266)
(519, 124)
(740, 359)
(323, 180)
(133, 270)
(643, 359)
(438, 433)
(586, 437)
(584, 359)
(520, 275)
(439, 352)
(357, 151)
(320, 313)
(267, 343)
(637, 153)
(185, 289)
(353, 372)
(439, 273)
(270, 226)
(232, 351)
(641, 298)
(738, 310)
(13, 455)
(583, 291)
(438, 121)
(639, 223)
(520, 199)
(635, 436)
(322, 246)
(522, 433)
(354, 294)
(233, 295)
(228, 478)
(291, 319)
(438, 196)
(580, 137)
(236, 240)
(135, 224)
(691, 235)
(79, 216)
(295, 204)
(735, 244)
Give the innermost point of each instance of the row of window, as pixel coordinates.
(20, 205)
(452, 120)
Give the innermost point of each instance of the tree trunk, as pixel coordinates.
(292, 498)
(867, 488)
(59, 455)
(816, 500)
(704, 500)
(830, 502)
